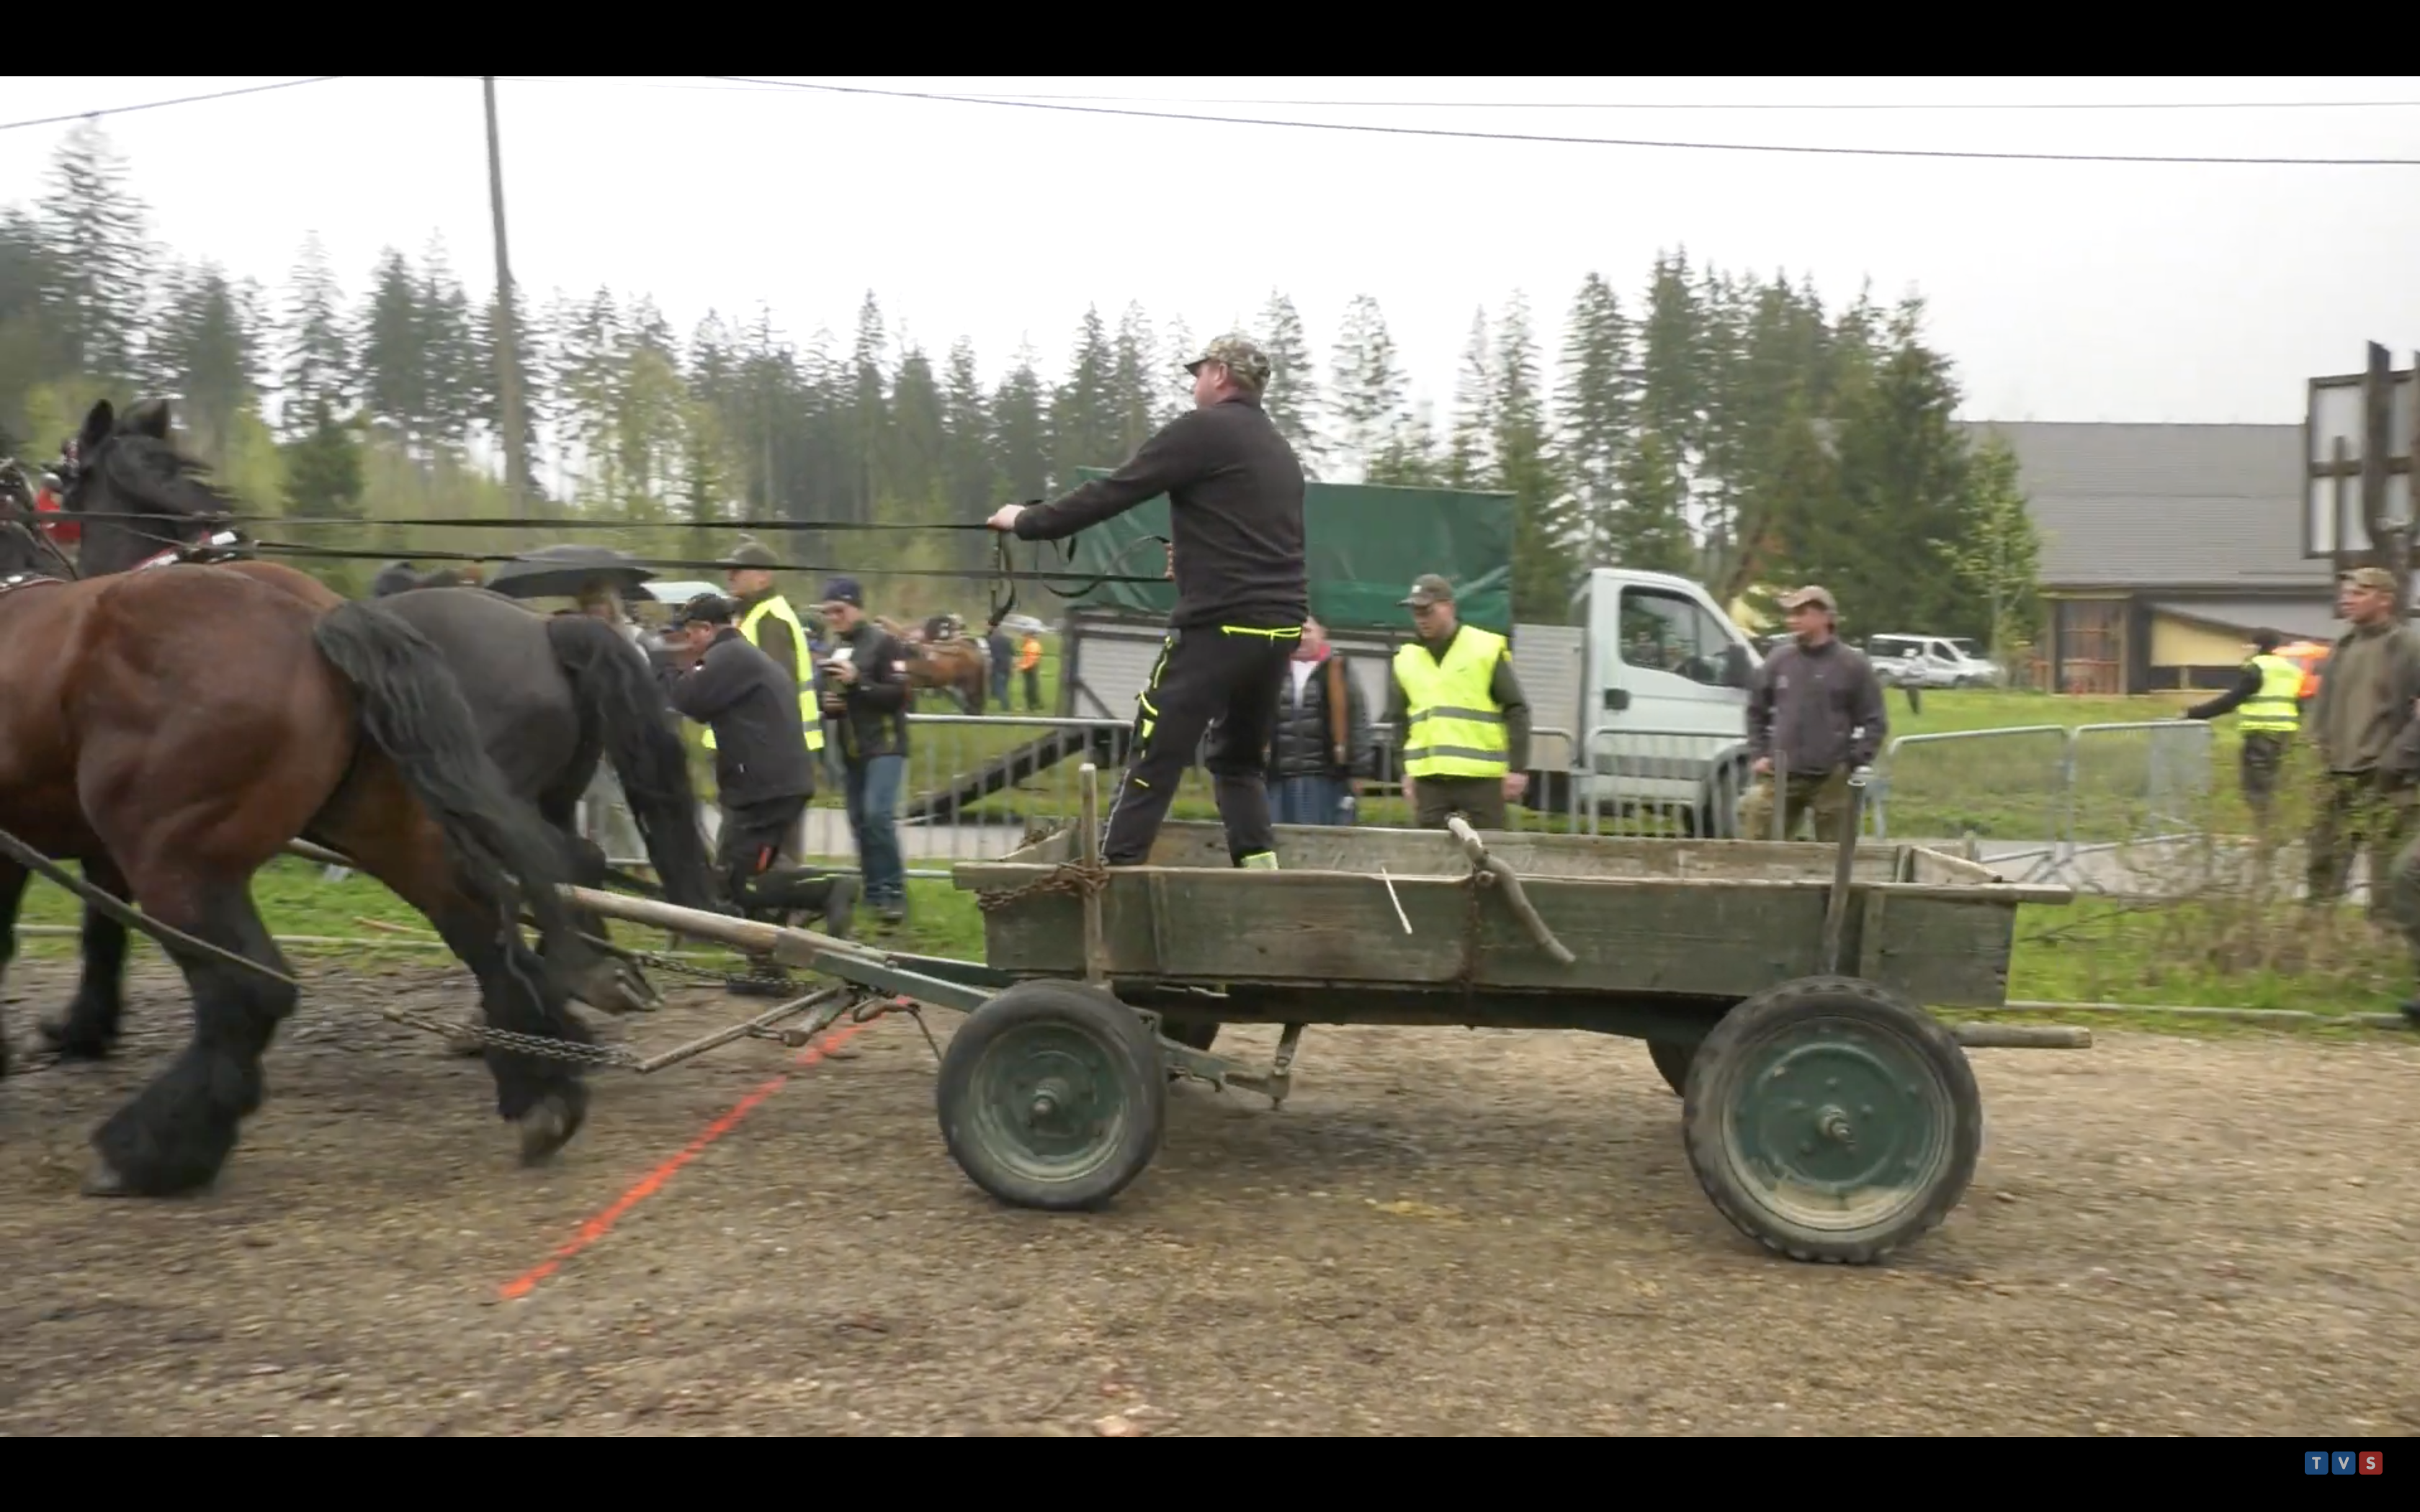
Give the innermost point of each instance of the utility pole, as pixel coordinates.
(508, 372)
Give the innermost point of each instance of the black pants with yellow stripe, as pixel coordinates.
(1222, 680)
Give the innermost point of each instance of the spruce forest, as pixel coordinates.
(1727, 426)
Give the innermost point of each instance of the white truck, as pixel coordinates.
(1639, 701)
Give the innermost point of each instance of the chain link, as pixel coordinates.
(531, 1044)
(1077, 879)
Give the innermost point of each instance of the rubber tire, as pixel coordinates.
(1672, 1061)
(1099, 1016)
(1706, 1108)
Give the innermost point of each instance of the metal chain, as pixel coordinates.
(1076, 879)
(532, 1044)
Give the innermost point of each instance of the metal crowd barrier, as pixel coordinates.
(2048, 798)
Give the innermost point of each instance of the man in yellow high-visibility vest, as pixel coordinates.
(1461, 721)
(768, 622)
(2267, 698)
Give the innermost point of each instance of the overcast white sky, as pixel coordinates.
(2063, 290)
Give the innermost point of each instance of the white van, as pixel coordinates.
(1651, 679)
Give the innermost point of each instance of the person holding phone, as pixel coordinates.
(866, 694)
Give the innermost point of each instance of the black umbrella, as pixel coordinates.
(564, 571)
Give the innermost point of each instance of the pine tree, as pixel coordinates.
(1084, 423)
(1542, 520)
(1998, 552)
(1468, 463)
(1292, 400)
(1133, 392)
(454, 386)
(1369, 386)
(101, 262)
(318, 349)
(1020, 431)
(1594, 417)
(1175, 395)
(393, 369)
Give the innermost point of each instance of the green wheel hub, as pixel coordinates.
(1048, 1102)
(1837, 1124)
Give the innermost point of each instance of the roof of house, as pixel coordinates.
(2164, 507)
(2313, 620)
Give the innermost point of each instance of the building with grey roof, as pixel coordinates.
(2162, 547)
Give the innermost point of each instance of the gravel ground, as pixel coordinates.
(1441, 1233)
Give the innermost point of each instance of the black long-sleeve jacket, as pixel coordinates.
(872, 712)
(760, 753)
(1235, 492)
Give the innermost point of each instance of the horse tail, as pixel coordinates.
(614, 687)
(414, 711)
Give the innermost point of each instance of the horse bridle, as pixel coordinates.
(225, 543)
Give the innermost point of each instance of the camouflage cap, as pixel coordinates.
(1239, 355)
(2377, 577)
(751, 553)
(1810, 594)
(1429, 588)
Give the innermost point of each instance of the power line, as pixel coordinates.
(1653, 104)
(1584, 140)
(156, 104)
(1545, 104)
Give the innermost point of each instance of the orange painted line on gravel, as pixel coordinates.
(647, 1185)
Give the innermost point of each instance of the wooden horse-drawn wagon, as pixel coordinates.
(1782, 989)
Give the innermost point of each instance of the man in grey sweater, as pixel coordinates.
(1814, 714)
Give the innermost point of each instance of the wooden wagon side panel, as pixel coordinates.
(1939, 952)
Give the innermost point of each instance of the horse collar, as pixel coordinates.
(220, 546)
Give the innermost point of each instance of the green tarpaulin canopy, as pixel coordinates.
(1365, 543)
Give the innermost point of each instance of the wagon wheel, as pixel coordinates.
(1673, 1060)
(1052, 1095)
(1831, 1121)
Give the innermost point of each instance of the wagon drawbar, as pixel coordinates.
(1781, 989)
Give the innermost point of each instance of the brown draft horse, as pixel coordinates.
(179, 728)
(954, 666)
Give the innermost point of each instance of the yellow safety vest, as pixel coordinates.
(2276, 708)
(810, 718)
(1450, 726)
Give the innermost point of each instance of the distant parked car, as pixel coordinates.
(1930, 661)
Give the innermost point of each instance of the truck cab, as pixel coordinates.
(1651, 678)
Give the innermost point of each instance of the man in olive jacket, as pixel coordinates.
(1814, 714)
(2369, 744)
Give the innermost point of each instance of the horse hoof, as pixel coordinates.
(66, 1043)
(548, 1128)
(103, 1180)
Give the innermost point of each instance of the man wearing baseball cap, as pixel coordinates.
(766, 621)
(1461, 721)
(1814, 714)
(1235, 490)
(762, 771)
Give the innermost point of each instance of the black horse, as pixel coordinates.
(551, 696)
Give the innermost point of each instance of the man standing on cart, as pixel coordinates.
(1235, 490)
